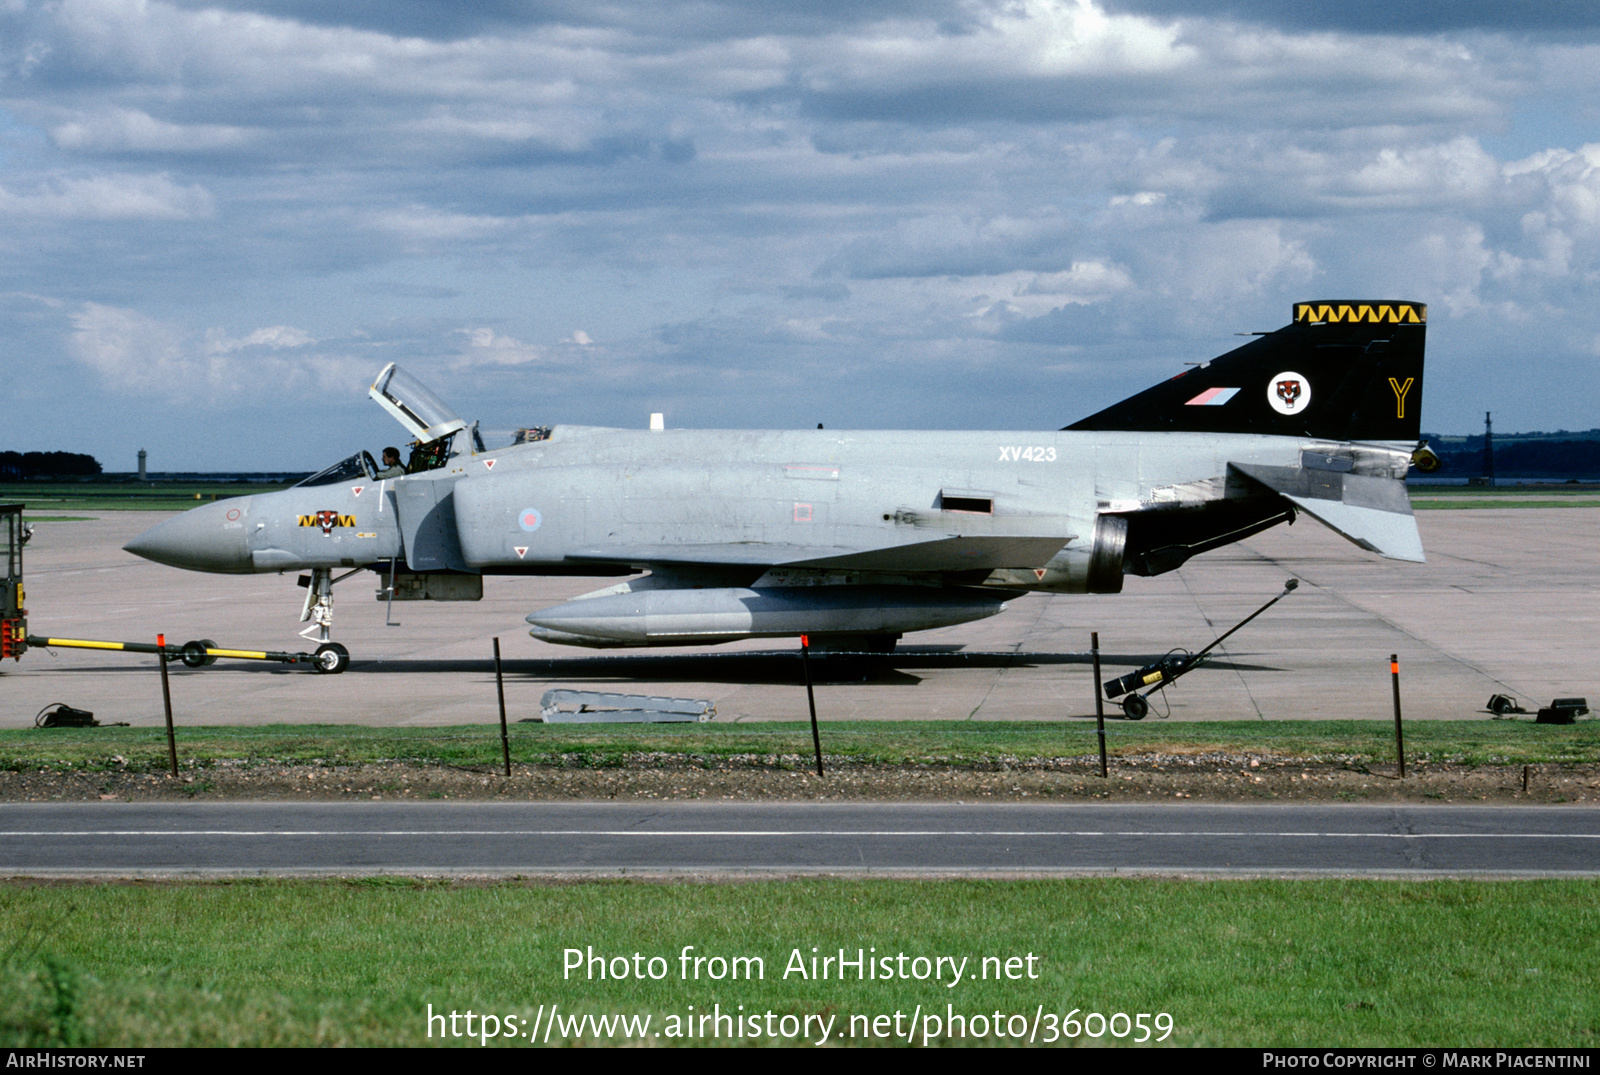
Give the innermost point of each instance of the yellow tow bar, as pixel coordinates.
(330, 656)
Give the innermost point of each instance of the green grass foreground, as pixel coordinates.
(1459, 497)
(1448, 504)
(1487, 742)
(1238, 963)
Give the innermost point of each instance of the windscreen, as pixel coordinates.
(358, 467)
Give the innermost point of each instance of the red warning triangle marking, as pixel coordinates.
(1038, 573)
(488, 464)
(355, 490)
(522, 550)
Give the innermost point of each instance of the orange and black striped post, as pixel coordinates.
(1399, 739)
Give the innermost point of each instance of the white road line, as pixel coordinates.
(746, 833)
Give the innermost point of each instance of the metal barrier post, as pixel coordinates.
(166, 701)
(811, 699)
(1099, 701)
(500, 689)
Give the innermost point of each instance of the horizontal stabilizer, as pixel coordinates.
(1372, 511)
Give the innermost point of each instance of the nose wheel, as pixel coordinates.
(331, 658)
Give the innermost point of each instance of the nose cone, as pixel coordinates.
(208, 538)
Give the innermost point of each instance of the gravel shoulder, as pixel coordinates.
(1207, 777)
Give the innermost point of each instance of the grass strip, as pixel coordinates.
(1235, 963)
(1511, 487)
(1459, 497)
(1442, 504)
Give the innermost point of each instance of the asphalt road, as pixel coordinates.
(872, 839)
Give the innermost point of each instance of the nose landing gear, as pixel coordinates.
(331, 658)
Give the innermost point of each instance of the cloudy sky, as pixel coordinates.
(220, 219)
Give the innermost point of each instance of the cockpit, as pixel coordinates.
(431, 421)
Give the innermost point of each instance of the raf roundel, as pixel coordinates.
(529, 519)
(1289, 393)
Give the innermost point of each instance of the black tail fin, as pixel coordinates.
(1340, 371)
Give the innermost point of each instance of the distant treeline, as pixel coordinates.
(19, 466)
(1464, 442)
(1525, 459)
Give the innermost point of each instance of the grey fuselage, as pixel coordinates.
(858, 536)
(608, 501)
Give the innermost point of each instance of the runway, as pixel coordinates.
(940, 840)
(1507, 603)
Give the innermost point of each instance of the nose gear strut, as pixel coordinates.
(318, 609)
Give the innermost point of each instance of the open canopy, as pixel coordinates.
(414, 405)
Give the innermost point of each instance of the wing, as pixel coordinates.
(937, 556)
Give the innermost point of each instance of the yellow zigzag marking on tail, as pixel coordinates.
(1403, 313)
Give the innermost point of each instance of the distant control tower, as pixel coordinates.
(1488, 448)
(142, 476)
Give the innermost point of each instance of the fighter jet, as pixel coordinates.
(853, 538)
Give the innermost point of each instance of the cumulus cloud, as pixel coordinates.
(148, 356)
(1572, 182)
(486, 346)
(1564, 17)
(109, 197)
(1026, 40)
(1083, 283)
(481, 355)
(1071, 60)
(423, 225)
(130, 130)
(276, 338)
(951, 245)
(1458, 171)
(752, 199)
(132, 351)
